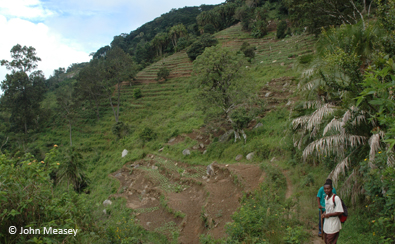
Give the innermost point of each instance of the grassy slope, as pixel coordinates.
(169, 110)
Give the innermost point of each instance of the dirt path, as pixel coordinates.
(170, 196)
(315, 239)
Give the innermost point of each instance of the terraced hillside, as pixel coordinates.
(167, 193)
(178, 64)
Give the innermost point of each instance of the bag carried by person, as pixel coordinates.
(344, 215)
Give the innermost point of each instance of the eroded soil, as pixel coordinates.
(171, 196)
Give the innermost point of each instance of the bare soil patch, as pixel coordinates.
(170, 196)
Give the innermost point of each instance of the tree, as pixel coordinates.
(219, 77)
(68, 104)
(176, 32)
(89, 86)
(316, 14)
(116, 68)
(72, 170)
(198, 46)
(160, 41)
(23, 92)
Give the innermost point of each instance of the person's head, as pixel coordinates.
(329, 181)
(328, 189)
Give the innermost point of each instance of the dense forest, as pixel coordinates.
(296, 91)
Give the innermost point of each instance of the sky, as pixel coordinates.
(66, 32)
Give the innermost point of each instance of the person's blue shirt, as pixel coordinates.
(321, 194)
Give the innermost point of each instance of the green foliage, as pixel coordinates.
(281, 29)
(379, 89)
(240, 118)
(72, 170)
(380, 188)
(259, 29)
(314, 13)
(209, 29)
(22, 92)
(248, 50)
(37, 205)
(295, 235)
(147, 134)
(262, 218)
(120, 129)
(137, 93)
(305, 59)
(163, 73)
(197, 48)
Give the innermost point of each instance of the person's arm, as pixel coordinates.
(319, 203)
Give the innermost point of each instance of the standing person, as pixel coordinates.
(334, 209)
(321, 204)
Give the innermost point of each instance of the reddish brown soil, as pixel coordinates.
(207, 203)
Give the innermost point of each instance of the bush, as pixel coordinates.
(147, 134)
(305, 59)
(183, 43)
(248, 50)
(120, 129)
(163, 73)
(137, 93)
(198, 46)
(209, 29)
(281, 29)
(259, 29)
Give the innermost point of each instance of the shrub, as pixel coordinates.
(198, 46)
(209, 29)
(163, 73)
(137, 93)
(183, 43)
(305, 59)
(248, 50)
(281, 29)
(147, 134)
(259, 29)
(120, 129)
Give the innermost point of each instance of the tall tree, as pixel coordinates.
(89, 85)
(176, 32)
(23, 92)
(117, 67)
(67, 104)
(222, 88)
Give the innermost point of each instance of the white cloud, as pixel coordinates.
(28, 9)
(54, 50)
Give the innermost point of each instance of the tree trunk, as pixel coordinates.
(71, 142)
(113, 109)
(97, 109)
(119, 98)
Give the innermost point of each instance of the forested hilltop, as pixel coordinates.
(210, 124)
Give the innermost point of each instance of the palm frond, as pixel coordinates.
(334, 125)
(300, 121)
(319, 114)
(374, 143)
(340, 168)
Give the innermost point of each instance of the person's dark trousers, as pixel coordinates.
(319, 222)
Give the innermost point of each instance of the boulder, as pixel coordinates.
(239, 157)
(204, 152)
(257, 126)
(195, 147)
(160, 150)
(201, 145)
(171, 140)
(124, 152)
(268, 94)
(186, 152)
(250, 156)
(107, 202)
